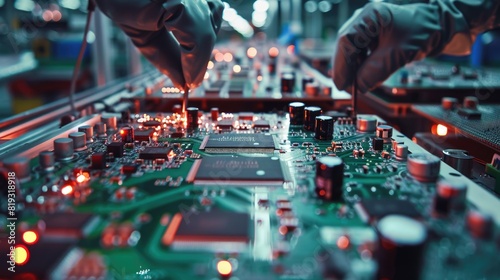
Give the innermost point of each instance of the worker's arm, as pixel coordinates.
(382, 37)
(177, 36)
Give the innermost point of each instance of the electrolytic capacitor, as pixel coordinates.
(79, 140)
(111, 122)
(88, 130)
(450, 196)
(305, 81)
(401, 247)
(324, 128)
(312, 89)
(192, 117)
(125, 116)
(401, 151)
(423, 167)
(287, 83)
(384, 131)
(63, 148)
(329, 178)
(366, 123)
(127, 134)
(480, 224)
(296, 112)
(46, 160)
(20, 166)
(459, 159)
(310, 114)
(100, 129)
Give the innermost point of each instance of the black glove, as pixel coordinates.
(382, 37)
(177, 36)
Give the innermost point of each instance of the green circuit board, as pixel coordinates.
(232, 201)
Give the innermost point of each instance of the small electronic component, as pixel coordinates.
(371, 210)
(152, 153)
(239, 143)
(213, 231)
(227, 170)
(143, 135)
(69, 225)
(116, 148)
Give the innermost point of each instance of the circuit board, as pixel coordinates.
(241, 196)
(481, 124)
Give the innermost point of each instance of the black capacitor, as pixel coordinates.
(98, 161)
(125, 116)
(63, 148)
(329, 178)
(192, 117)
(324, 128)
(377, 144)
(310, 114)
(401, 247)
(296, 112)
(287, 83)
(47, 160)
(459, 159)
(20, 166)
(127, 134)
(450, 196)
(305, 81)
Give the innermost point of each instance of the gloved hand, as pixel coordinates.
(177, 36)
(381, 38)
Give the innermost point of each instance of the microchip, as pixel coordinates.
(116, 148)
(261, 124)
(371, 210)
(225, 124)
(245, 116)
(151, 123)
(154, 153)
(239, 143)
(143, 135)
(47, 260)
(214, 230)
(69, 225)
(242, 171)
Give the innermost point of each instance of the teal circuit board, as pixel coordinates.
(238, 197)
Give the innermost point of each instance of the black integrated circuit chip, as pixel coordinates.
(371, 210)
(143, 135)
(199, 230)
(239, 143)
(225, 124)
(75, 225)
(152, 153)
(242, 171)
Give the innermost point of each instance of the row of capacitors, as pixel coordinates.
(65, 148)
